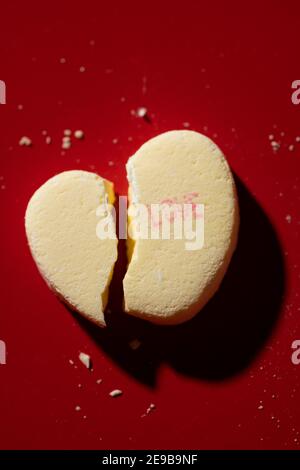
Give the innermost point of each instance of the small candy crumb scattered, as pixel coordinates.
(66, 144)
(150, 408)
(78, 134)
(85, 359)
(115, 393)
(25, 141)
(141, 112)
(275, 145)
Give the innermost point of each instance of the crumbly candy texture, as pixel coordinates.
(165, 283)
(61, 223)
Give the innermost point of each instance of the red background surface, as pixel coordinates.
(224, 380)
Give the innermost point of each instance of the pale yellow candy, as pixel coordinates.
(61, 221)
(166, 283)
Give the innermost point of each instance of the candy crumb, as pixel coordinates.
(115, 393)
(85, 359)
(25, 141)
(79, 134)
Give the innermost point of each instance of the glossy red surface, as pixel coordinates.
(224, 380)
